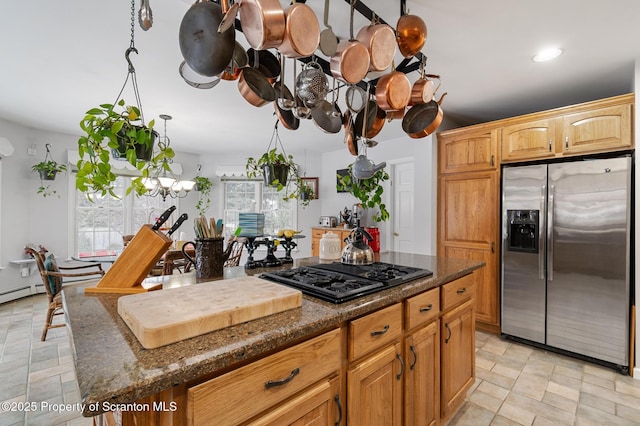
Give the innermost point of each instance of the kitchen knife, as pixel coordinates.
(176, 225)
(163, 218)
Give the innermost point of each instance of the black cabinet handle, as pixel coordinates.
(415, 357)
(274, 383)
(461, 290)
(427, 308)
(399, 375)
(337, 400)
(379, 332)
(446, 325)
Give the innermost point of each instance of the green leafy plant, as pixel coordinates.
(203, 185)
(48, 169)
(368, 191)
(108, 128)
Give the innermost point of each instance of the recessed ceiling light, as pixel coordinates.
(547, 54)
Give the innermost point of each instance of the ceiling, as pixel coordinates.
(61, 58)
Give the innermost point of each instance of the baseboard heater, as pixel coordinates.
(15, 293)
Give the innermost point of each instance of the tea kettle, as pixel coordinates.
(357, 251)
(363, 168)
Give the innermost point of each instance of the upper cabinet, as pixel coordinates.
(589, 128)
(468, 152)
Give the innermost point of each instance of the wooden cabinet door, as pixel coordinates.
(473, 151)
(317, 406)
(528, 141)
(374, 389)
(468, 220)
(422, 377)
(457, 342)
(602, 129)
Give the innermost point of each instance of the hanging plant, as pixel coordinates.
(368, 191)
(48, 169)
(203, 186)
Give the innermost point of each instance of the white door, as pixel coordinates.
(402, 214)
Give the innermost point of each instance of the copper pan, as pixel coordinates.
(238, 60)
(375, 120)
(393, 91)
(351, 61)
(302, 32)
(423, 119)
(267, 63)
(349, 134)
(380, 41)
(255, 87)
(263, 23)
(411, 34)
(396, 114)
(423, 89)
(286, 117)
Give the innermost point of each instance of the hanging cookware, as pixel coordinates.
(239, 60)
(423, 89)
(285, 103)
(285, 116)
(393, 91)
(300, 110)
(423, 119)
(349, 134)
(328, 39)
(263, 23)
(327, 115)
(302, 32)
(205, 50)
(311, 84)
(363, 168)
(356, 98)
(255, 88)
(351, 61)
(265, 62)
(374, 120)
(196, 80)
(380, 41)
(411, 33)
(397, 114)
(145, 15)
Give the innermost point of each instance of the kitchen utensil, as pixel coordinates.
(357, 251)
(255, 87)
(205, 50)
(349, 134)
(285, 99)
(239, 60)
(302, 31)
(163, 317)
(397, 114)
(228, 19)
(351, 61)
(263, 23)
(145, 16)
(363, 168)
(366, 119)
(380, 41)
(423, 89)
(356, 98)
(196, 80)
(312, 85)
(328, 40)
(423, 119)
(328, 122)
(411, 33)
(265, 62)
(300, 111)
(393, 91)
(163, 218)
(286, 116)
(179, 222)
(209, 256)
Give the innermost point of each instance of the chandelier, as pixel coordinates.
(163, 181)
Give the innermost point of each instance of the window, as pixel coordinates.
(254, 197)
(101, 224)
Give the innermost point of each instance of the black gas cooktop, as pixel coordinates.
(336, 282)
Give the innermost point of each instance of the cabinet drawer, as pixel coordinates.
(374, 330)
(422, 308)
(457, 291)
(317, 233)
(249, 390)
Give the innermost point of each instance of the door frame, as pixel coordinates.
(389, 189)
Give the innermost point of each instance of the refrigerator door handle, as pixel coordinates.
(550, 234)
(541, 228)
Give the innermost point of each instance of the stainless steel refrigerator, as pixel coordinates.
(566, 256)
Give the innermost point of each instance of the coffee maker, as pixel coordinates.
(357, 213)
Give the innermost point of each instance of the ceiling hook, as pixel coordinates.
(126, 55)
(47, 147)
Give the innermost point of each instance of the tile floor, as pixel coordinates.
(516, 384)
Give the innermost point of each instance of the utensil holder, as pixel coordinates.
(209, 257)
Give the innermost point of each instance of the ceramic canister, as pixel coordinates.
(330, 246)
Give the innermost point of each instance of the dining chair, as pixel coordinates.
(52, 275)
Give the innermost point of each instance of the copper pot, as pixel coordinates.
(263, 23)
(238, 61)
(349, 134)
(411, 33)
(286, 117)
(351, 61)
(380, 41)
(255, 87)
(302, 32)
(396, 114)
(393, 91)
(423, 89)
(423, 119)
(374, 120)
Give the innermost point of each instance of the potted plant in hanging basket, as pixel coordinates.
(116, 128)
(203, 186)
(368, 191)
(48, 169)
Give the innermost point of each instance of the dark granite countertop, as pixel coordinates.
(112, 366)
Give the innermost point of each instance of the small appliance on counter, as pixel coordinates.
(357, 251)
(328, 221)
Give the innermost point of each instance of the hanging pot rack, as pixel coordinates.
(406, 66)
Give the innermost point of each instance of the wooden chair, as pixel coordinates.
(236, 252)
(52, 275)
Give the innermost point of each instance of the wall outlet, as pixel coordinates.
(24, 271)
(32, 150)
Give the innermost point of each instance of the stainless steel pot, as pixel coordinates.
(357, 251)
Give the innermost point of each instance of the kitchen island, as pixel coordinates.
(116, 374)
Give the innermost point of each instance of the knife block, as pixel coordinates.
(134, 263)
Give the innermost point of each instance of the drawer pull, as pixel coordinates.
(337, 400)
(446, 325)
(379, 332)
(399, 375)
(274, 383)
(427, 308)
(461, 290)
(415, 357)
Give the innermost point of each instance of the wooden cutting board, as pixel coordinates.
(162, 317)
